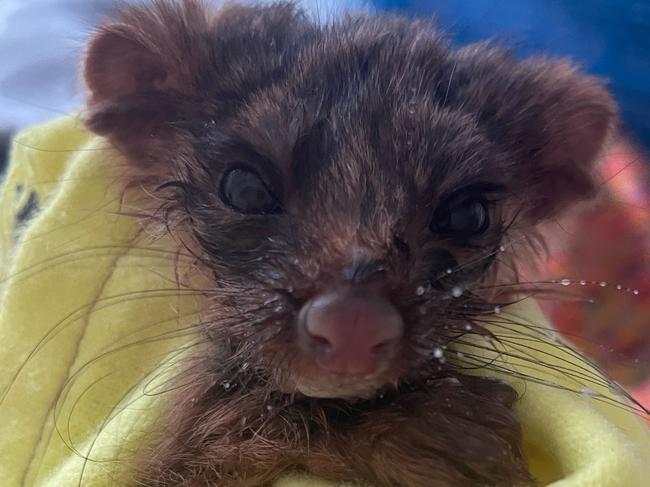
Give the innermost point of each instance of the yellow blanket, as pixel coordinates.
(92, 328)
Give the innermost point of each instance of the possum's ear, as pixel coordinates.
(158, 69)
(553, 120)
(141, 71)
(155, 49)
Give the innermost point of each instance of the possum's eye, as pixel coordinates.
(244, 190)
(461, 217)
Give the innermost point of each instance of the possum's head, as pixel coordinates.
(348, 186)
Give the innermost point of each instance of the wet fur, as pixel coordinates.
(363, 126)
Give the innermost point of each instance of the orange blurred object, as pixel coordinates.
(608, 247)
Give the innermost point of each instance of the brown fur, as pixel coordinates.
(363, 127)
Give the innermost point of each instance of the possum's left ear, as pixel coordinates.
(553, 121)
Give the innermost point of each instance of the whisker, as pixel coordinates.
(172, 334)
(108, 302)
(481, 364)
(89, 253)
(567, 372)
(111, 414)
(543, 368)
(540, 330)
(60, 151)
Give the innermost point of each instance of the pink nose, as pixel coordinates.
(350, 332)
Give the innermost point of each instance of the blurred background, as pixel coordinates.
(41, 42)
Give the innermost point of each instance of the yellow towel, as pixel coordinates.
(92, 328)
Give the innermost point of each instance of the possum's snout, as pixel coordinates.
(350, 331)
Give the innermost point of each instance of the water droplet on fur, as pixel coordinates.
(602, 284)
(437, 352)
(497, 309)
(419, 290)
(269, 408)
(411, 109)
(583, 283)
(226, 385)
(460, 354)
(502, 248)
(456, 292)
(468, 327)
(449, 271)
(565, 282)
(452, 381)
(619, 287)
(586, 391)
(280, 308)
(636, 292)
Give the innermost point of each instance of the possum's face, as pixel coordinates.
(350, 188)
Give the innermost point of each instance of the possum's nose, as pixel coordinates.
(350, 331)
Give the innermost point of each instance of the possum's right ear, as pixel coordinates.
(155, 49)
(142, 73)
(158, 66)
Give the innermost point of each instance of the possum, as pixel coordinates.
(348, 187)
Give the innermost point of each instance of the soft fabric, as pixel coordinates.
(93, 329)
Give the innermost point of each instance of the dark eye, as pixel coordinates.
(245, 191)
(461, 217)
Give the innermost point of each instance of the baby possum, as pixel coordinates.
(347, 186)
